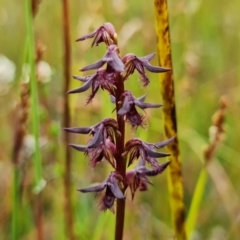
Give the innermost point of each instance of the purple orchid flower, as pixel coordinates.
(133, 62)
(128, 108)
(102, 145)
(105, 33)
(112, 191)
(109, 125)
(136, 148)
(136, 179)
(101, 79)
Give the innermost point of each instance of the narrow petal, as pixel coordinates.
(80, 148)
(157, 170)
(82, 79)
(157, 154)
(155, 69)
(151, 153)
(83, 88)
(90, 35)
(98, 38)
(83, 130)
(149, 57)
(93, 66)
(97, 139)
(142, 98)
(97, 188)
(164, 143)
(143, 105)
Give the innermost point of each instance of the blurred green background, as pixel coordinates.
(205, 41)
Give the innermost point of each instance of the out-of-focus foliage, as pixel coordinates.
(205, 46)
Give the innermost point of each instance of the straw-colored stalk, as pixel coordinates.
(170, 121)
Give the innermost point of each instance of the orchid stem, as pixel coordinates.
(121, 163)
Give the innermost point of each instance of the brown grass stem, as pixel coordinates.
(68, 209)
(170, 120)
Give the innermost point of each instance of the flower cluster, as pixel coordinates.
(107, 135)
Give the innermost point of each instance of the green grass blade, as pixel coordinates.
(196, 202)
(34, 94)
(35, 119)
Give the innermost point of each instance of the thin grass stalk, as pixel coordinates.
(34, 116)
(18, 140)
(68, 208)
(175, 184)
(196, 202)
(121, 162)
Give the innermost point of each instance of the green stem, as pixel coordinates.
(15, 159)
(34, 114)
(34, 93)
